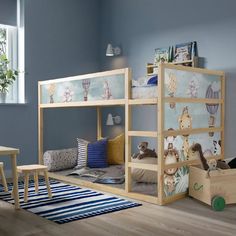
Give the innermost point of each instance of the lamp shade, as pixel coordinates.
(110, 119)
(109, 51)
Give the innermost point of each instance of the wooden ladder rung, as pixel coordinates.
(147, 101)
(143, 133)
(143, 166)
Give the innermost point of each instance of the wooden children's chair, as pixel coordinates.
(35, 169)
(4, 182)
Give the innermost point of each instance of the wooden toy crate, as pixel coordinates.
(217, 190)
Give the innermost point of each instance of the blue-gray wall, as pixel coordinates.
(69, 37)
(61, 39)
(140, 26)
(8, 12)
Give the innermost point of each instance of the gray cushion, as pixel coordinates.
(60, 159)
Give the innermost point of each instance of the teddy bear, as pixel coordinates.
(144, 151)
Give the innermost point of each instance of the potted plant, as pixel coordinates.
(7, 77)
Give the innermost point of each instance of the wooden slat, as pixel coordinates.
(112, 102)
(174, 197)
(193, 100)
(191, 131)
(143, 197)
(222, 117)
(190, 162)
(86, 76)
(148, 101)
(193, 69)
(160, 140)
(143, 166)
(128, 120)
(99, 123)
(143, 133)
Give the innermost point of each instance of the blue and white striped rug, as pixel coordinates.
(68, 203)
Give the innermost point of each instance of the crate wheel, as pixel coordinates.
(218, 203)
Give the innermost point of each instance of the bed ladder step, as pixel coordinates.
(143, 133)
(143, 166)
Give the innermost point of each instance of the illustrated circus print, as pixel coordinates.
(192, 90)
(172, 87)
(169, 182)
(86, 85)
(107, 91)
(68, 95)
(171, 156)
(51, 90)
(213, 92)
(185, 122)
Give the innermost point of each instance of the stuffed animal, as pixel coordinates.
(144, 151)
(198, 148)
(212, 163)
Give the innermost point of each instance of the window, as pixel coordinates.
(8, 46)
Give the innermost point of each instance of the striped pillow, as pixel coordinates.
(97, 154)
(82, 153)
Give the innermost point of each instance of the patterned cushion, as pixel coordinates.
(60, 159)
(97, 154)
(82, 153)
(115, 150)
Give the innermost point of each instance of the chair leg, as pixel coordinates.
(36, 182)
(4, 182)
(47, 183)
(26, 179)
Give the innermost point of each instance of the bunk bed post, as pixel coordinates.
(222, 125)
(40, 127)
(128, 119)
(99, 123)
(160, 137)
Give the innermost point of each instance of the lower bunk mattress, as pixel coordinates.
(112, 172)
(144, 92)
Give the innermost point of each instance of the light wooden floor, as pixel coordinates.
(184, 217)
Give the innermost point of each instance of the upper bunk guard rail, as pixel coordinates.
(86, 76)
(95, 89)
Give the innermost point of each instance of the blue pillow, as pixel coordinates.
(97, 154)
(153, 80)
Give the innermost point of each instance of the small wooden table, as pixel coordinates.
(12, 152)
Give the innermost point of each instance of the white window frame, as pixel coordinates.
(15, 52)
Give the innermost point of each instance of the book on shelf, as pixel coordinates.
(162, 55)
(87, 172)
(184, 52)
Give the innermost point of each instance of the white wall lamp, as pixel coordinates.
(112, 51)
(112, 120)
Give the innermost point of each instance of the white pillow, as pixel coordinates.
(144, 176)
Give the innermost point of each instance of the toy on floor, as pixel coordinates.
(144, 151)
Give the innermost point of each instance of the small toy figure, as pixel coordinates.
(144, 151)
(107, 91)
(212, 166)
(86, 85)
(51, 91)
(67, 96)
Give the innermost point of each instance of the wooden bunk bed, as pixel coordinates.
(192, 115)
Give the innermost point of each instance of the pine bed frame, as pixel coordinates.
(160, 134)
